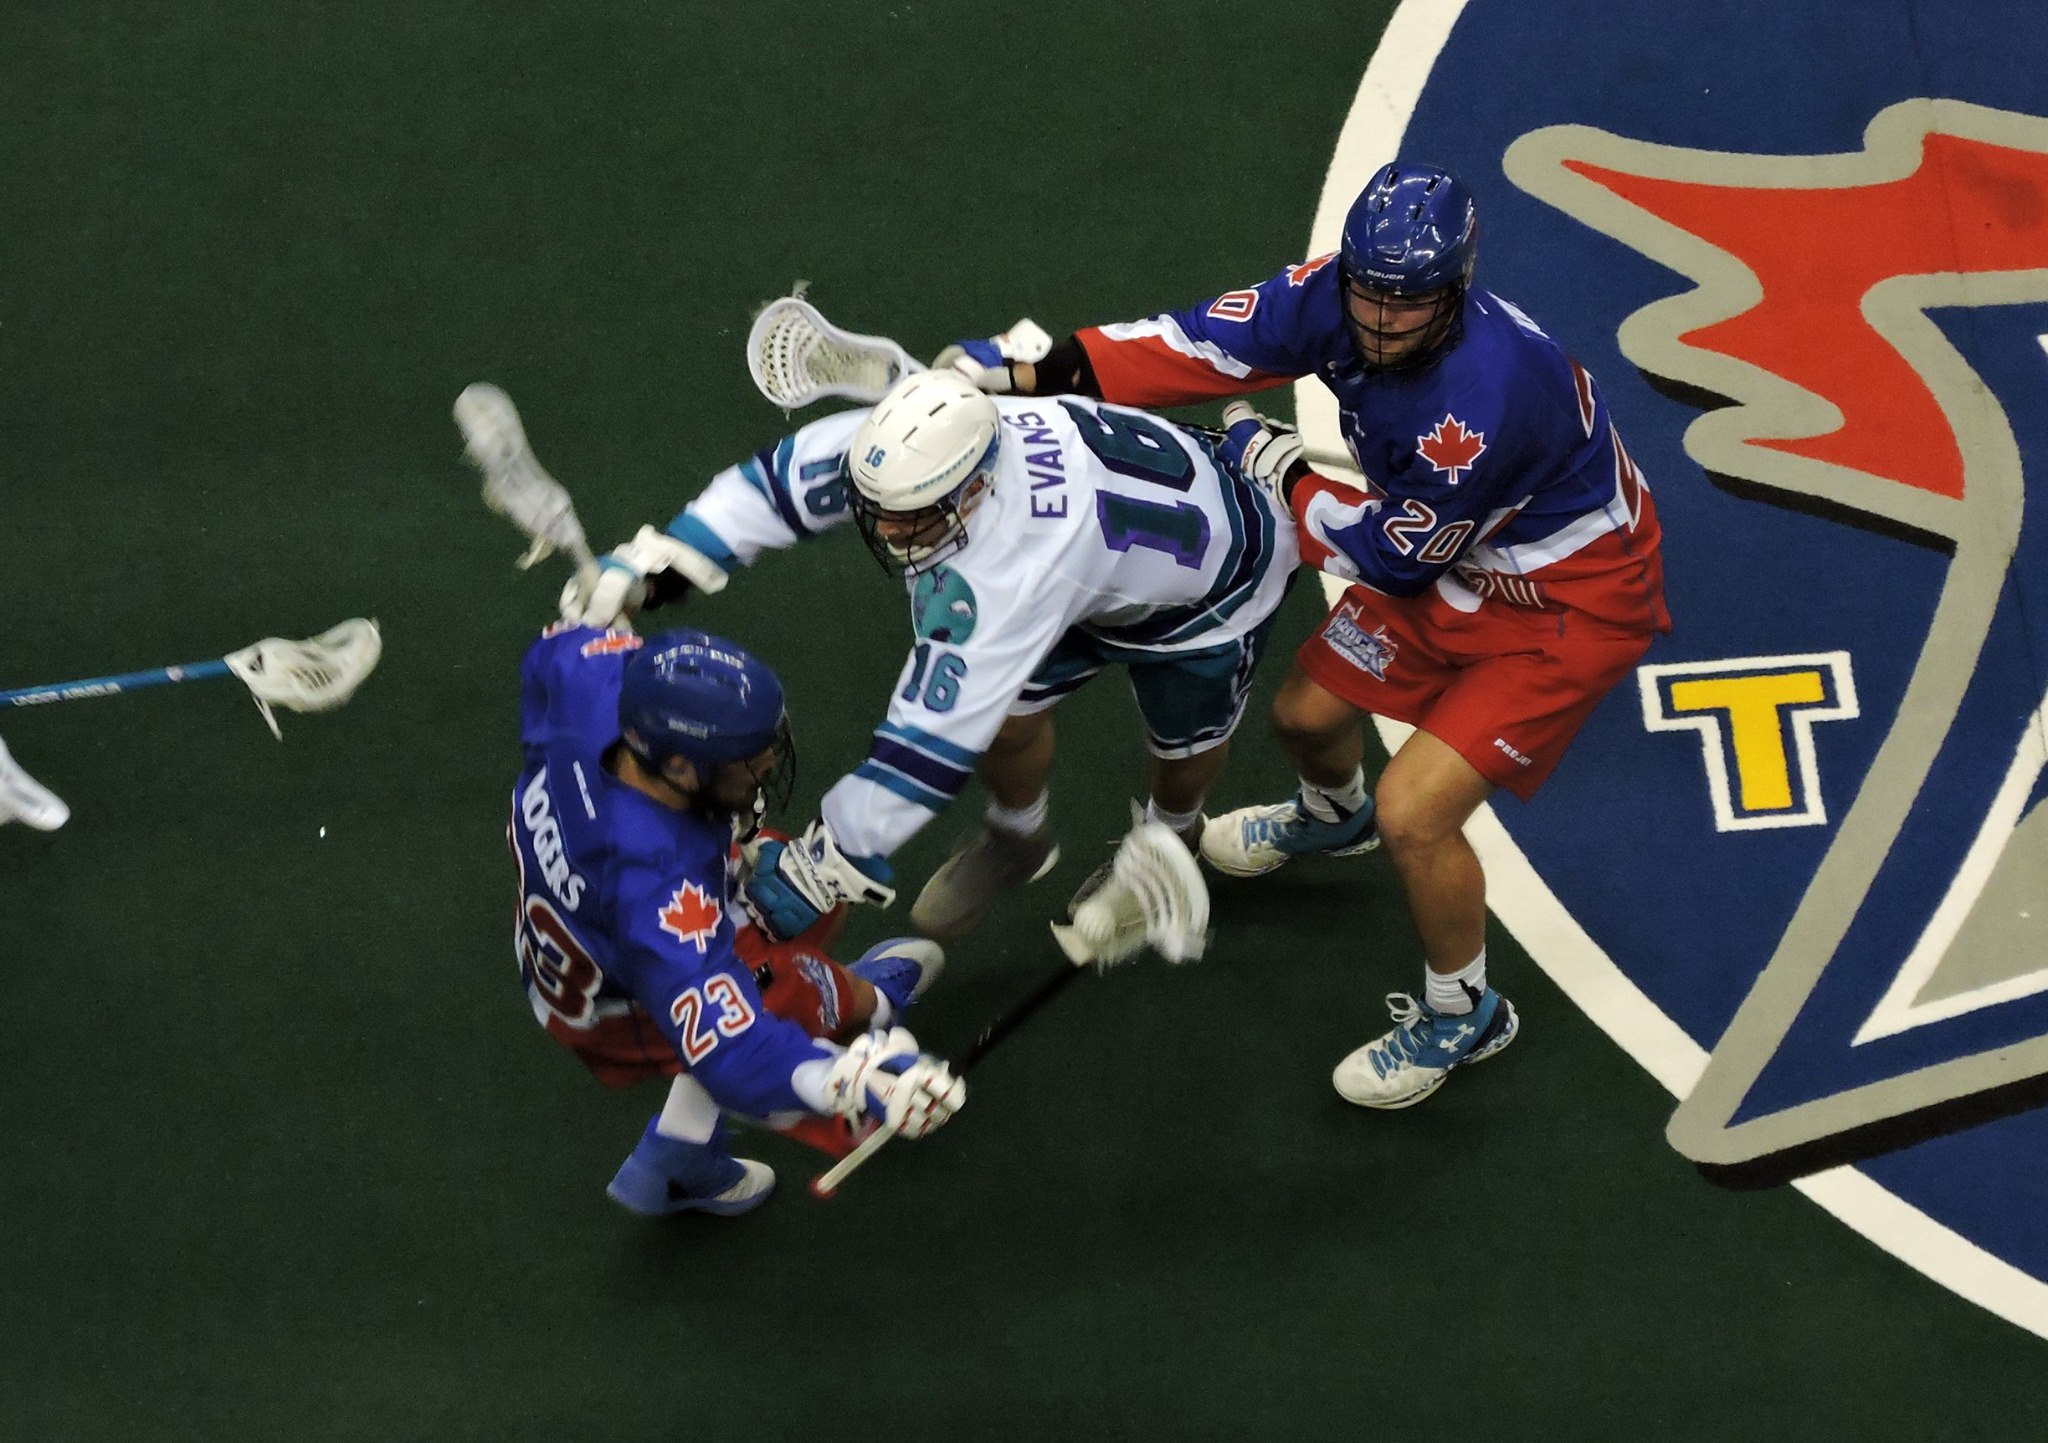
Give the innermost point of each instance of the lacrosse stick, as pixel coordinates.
(1152, 893)
(23, 798)
(515, 484)
(796, 357)
(317, 674)
(827, 1182)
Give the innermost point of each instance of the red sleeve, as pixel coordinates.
(1146, 371)
(1315, 552)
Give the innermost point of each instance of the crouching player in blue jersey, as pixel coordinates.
(646, 763)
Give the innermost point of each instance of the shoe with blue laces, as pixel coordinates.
(1412, 1061)
(1252, 841)
(902, 969)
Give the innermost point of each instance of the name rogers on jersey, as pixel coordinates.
(547, 841)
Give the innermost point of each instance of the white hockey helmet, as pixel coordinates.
(920, 462)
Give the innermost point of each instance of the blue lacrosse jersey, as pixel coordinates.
(625, 905)
(1495, 468)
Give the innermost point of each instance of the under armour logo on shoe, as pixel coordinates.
(1457, 1039)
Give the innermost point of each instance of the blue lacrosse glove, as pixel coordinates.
(986, 363)
(797, 882)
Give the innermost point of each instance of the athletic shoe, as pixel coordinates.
(902, 969)
(1252, 841)
(988, 862)
(665, 1175)
(1412, 1061)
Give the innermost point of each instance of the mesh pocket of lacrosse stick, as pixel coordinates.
(317, 674)
(1155, 894)
(796, 357)
(516, 485)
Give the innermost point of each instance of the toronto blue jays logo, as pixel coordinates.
(1810, 841)
(1865, 405)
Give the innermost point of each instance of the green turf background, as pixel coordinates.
(282, 1155)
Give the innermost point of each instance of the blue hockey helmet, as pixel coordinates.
(1410, 242)
(699, 697)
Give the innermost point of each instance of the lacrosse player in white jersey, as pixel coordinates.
(1041, 541)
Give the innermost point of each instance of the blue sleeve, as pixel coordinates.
(678, 932)
(1237, 342)
(569, 684)
(1286, 326)
(1441, 486)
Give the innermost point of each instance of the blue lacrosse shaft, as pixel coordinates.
(112, 685)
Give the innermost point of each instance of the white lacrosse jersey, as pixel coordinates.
(1101, 518)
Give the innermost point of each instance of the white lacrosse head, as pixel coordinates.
(1154, 895)
(796, 357)
(317, 674)
(515, 483)
(24, 799)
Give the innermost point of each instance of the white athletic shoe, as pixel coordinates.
(25, 799)
(1412, 1061)
(1252, 841)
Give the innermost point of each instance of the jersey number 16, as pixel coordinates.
(1138, 447)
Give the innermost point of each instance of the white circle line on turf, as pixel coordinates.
(1372, 136)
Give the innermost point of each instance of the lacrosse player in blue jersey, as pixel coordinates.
(1040, 542)
(647, 762)
(1502, 559)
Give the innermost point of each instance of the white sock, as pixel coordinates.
(1177, 822)
(689, 1115)
(1334, 804)
(885, 1010)
(1455, 993)
(1021, 820)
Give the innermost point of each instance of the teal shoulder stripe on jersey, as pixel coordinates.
(902, 786)
(924, 741)
(767, 471)
(1252, 539)
(692, 532)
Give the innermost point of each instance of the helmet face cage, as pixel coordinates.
(897, 558)
(779, 781)
(1390, 347)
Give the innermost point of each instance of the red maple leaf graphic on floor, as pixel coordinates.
(691, 916)
(1450, 448)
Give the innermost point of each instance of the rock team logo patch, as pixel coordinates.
(1811, 843)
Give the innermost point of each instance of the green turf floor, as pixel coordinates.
(282, 1154)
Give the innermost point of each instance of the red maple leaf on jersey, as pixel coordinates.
(691, 916)
(1451, 448)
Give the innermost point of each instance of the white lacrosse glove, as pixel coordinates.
(797, 882)
(24, 799)
(1263, 451)
(1153, 893)
(882, 1075)
(987, 363)
(651, 562)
